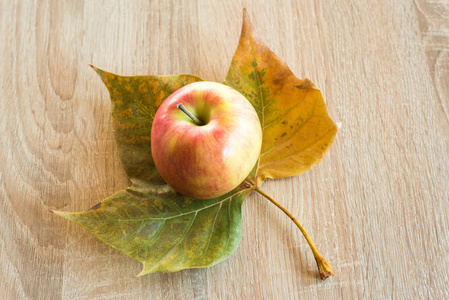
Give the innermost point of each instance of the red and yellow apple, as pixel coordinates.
(205, 139)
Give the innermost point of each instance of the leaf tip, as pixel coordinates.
(106, 77)
(306, 83)
(98, 71)
(63, 214)
(143, 272)
(246, 25)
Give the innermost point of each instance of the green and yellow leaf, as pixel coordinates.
(167, 231)
(135, 100)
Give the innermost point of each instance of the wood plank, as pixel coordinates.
(377, 207)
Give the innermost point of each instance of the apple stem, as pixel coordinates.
(189, 114)
(324, 267)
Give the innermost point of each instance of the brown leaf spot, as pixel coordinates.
(96, 206)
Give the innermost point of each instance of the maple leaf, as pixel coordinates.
(167, 231)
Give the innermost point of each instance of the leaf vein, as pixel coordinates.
(242, 76)
(161, 219)
(302, 124)
(149, 240)
(127, 237)
(212, 231)
(229, 224)
(143, 108)
(180, 240)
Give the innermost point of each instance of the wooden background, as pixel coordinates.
(377, 206)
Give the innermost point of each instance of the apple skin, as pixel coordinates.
(206, 161)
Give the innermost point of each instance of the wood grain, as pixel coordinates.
(377, 207)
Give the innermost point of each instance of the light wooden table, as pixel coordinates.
(377, 206)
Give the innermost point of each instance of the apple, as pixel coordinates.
(205, 139)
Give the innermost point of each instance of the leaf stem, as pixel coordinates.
(324, 267)
(189, 114)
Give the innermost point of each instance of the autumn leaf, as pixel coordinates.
(297, 130)
(164, 230)
(167, 231)
(135, 100)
